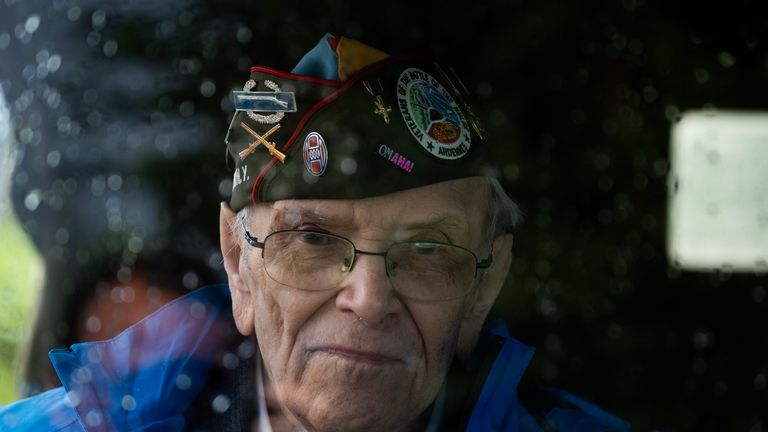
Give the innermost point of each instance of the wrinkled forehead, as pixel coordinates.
(457, 206)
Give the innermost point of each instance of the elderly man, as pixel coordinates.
(364, 249)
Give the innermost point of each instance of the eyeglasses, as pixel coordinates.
(318, 261)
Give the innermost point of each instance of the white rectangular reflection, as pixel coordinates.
(718, 191)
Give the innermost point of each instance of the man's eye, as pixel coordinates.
(426, 248)
(314, 239)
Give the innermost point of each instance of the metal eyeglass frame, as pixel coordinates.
(253, 241)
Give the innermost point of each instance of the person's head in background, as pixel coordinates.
(109, 297)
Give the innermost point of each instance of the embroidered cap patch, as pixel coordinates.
(315, 154)
(432, 116)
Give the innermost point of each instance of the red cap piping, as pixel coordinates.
(325, 101)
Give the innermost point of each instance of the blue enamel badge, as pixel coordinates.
(315, 154)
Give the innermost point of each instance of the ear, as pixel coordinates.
(487, 289)
(242, 309)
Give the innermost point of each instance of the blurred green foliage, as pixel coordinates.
(20, 274)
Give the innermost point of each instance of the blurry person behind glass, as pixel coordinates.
(111, 296)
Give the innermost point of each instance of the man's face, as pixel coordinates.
(360, 356)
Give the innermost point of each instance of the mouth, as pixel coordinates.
(358, 356)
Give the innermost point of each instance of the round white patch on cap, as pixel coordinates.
(432, 116)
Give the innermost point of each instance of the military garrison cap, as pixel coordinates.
(350, 122)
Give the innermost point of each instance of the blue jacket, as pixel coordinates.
(185, 367)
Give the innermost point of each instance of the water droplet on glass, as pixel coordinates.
(82, 375)
(98, 184)
(166, 28)
(128, 403)
(244, 34)
(703, 339)
(93, 38)
(62, 236)
(53, 158)
(124, 275)
(93, 418)
(32, 200)
(98, 19)
(115, 182)
(186, 109)
(42, 56)
(94, 355)
(73, 13)
(220, 403)
(230, 361)
(726, 59)
(135, 244)
(93, 324)
(127, 294)
(348, 166)
(110, 48)
(183, 382)
(246, 349)
(190, 281)
(70, 186)
(32, 24)
(197, 310)
(74, 397)
(207, 88)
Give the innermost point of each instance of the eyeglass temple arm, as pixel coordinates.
(253, 241)
(486, 262)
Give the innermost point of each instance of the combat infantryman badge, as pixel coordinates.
(375, 88)
(251, 102)
(276, 101)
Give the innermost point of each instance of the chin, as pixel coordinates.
(363, 409)
(333, 417)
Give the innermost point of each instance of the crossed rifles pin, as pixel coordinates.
(262, 139)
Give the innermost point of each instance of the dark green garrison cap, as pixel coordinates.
(351, 122)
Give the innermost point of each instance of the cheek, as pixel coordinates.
(439, 327)
(280, 315)
(268, 316)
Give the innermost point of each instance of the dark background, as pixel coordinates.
(580, 95)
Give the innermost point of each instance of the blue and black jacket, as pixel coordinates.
(186, 367)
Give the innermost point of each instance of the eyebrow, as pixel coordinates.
(440, 220)
(445, 222)
(295, 216)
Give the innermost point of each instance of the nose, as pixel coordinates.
(368, 293)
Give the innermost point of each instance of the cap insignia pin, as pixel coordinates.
(276, 102)
(262, 139)
(432, 115)
(375, 88)
(315, 154)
